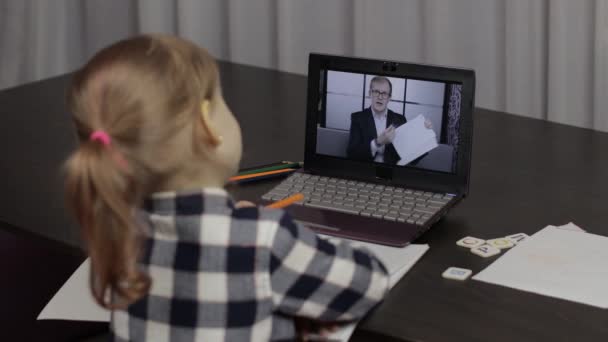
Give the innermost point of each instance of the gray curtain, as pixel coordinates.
(546, 59)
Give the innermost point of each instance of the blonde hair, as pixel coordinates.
(145, 94)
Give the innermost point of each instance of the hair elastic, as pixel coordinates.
(102, 137)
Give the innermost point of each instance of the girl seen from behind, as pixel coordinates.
(171, 254)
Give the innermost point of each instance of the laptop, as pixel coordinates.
(388, 148)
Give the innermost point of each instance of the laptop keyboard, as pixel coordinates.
(361, 198)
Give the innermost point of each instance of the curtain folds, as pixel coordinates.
(545, 59)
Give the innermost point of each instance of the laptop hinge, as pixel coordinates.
(384, 173)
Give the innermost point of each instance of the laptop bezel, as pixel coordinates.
(457, 183)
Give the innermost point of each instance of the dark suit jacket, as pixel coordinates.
(363, 131)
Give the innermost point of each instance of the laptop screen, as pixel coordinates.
(406, 122)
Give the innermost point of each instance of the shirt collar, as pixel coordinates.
(189, 202)
(380, 115)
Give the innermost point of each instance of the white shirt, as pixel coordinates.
(380, 122)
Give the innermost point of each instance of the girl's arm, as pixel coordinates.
(314, 278)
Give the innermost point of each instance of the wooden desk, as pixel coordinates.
(526, 174)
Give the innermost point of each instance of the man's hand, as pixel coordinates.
(428, 124)
(387, 136)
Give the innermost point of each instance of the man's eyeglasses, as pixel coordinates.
(380, 94)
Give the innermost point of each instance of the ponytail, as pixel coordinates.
(145, 91)
(103, 199)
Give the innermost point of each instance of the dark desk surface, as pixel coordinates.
(33, 269)
(526, 174)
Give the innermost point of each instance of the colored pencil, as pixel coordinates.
(281, 166)
(286, 201)
(260, 175)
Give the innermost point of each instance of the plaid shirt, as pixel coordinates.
(225, 274)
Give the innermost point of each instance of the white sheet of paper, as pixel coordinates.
(572, 265)
(74, 301)
(426, 147)
(413, 139)
(395, 258)
(570, 226)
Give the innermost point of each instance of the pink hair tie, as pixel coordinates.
(102, 137)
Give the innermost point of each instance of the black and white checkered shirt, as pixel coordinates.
(225, 274)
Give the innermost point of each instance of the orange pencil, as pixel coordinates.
(286, 202)
(259, 175)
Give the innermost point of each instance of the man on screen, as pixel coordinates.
(372, 130)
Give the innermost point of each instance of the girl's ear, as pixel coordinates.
(213, 137)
